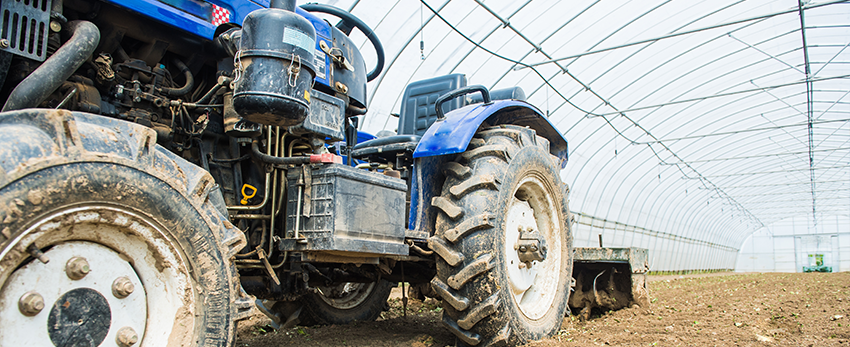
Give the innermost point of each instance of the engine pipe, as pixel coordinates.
(190, 80)
(324, 158)
(42, 82)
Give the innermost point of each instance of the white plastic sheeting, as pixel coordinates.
(692, 124)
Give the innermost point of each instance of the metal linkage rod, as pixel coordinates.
(742, 131)
(809, 110)
(781, 184)
(587, 88)
(831, 59)
(765, 53)
(783, 193)
(796, 207)
(761, 156)
(601, 223)
(773, 172)
(794, 10)
(701, 98)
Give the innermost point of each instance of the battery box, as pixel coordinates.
(344, 211)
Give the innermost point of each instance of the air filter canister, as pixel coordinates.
(274, 68)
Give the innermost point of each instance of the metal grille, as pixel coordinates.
(24, 27)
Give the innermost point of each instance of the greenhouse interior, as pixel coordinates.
(715, 134)
(426, 173)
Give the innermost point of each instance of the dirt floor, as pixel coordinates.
(772, 309)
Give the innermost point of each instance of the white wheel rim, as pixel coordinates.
(533, 288)
(347, 295)
(116, 243)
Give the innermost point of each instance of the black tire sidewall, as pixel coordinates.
(317, 311)
(131, 189)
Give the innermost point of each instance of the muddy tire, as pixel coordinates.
(136, 240)
(345, 303)
(506, 180)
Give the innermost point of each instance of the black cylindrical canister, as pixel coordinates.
(274, 68)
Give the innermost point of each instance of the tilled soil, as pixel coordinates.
(771, 309)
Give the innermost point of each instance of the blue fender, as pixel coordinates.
(452, 134)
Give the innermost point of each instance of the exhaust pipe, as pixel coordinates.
(42, 82)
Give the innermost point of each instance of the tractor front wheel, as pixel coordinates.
(107, 238)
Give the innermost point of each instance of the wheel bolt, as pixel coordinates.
(126, 337)
(31, 303)
(77, 267)
(122, 287)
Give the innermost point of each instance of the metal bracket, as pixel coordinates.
(531, 246)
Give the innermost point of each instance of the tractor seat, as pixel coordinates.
(386, 145)
(418, 112)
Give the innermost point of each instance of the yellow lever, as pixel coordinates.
(246, 196)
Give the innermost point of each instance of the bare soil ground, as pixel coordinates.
(771, 309)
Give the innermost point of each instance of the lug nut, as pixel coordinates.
(31, 303)
(122, 287)
(77, 267)
(126, 337)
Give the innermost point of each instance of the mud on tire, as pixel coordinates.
(76, 184)
(504, 181)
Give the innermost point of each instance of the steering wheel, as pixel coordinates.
(348, 22)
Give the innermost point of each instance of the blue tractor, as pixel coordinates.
(166, 165)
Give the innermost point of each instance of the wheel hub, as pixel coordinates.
(83, 309)
(533, 246)
(78, 317)
(521, 271)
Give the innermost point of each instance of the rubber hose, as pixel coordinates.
(268, 159)
(42, 82)
(190, 80)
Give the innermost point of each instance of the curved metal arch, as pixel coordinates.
(703, 153)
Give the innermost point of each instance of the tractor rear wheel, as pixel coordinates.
(345, 303)
(339, 304)
(504, 240)
(106, 237)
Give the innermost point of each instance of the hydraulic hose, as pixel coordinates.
(42, 82)
(190, 80)
(325, 158)
(268, 159)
